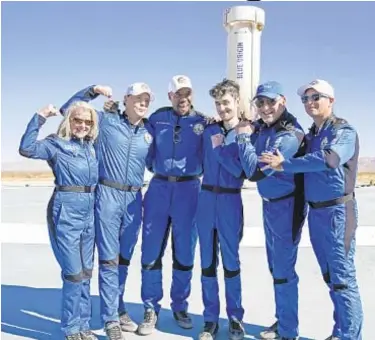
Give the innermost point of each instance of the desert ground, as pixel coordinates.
(364, 178)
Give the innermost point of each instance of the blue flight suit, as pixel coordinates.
(330, 168)
(123, 151)
(284, 210)
(220, 222)
(70, 217)
(170, 203)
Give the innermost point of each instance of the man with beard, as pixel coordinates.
(124, 147)
(170, 203)
(220, 214)
(330, 167)
(284, 207)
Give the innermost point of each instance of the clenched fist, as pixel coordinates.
(103, 90)
(48, 111)
(111, 106)
(217, 140)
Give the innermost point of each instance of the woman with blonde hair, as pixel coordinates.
(70, 213)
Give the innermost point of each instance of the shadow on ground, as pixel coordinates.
(35, 312)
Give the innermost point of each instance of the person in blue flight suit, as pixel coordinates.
(330, 168)
(170, 203)
(284, 206)
(124, 147)
(220, 214)
(70, 213)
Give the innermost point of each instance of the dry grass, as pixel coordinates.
(366, 178)
(24, 175)
(363, 178)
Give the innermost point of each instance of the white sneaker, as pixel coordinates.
(113, 331)
(127, 324)
(270, 333)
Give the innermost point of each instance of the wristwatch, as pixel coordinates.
(243, 139)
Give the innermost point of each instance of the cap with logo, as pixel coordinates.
(270, 89)
(319, 85)
(136, 89)
(179, 82)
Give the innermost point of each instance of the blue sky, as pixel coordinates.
(49, 50)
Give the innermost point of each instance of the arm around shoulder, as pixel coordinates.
(248, 157)
(338, 150)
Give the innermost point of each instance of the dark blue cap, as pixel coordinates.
(270, 89)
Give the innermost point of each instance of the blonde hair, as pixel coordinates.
(64, 128)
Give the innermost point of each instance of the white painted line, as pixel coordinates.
(23, 328)
(40, 316)
(24, 233)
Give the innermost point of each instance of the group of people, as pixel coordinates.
(199, 166)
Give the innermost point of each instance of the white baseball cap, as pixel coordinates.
(136, 89)
(318, 85)
(179, 82)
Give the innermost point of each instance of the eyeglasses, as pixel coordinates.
(314, 97)
(81, 121)
(177, 134)
(260, 102)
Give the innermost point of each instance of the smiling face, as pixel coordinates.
(137, 106)
(227, 107)
(226, 95)
(270, 109)
(317, 104)
(181, 100)
(81, 122)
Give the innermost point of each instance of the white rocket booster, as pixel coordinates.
(244, 25)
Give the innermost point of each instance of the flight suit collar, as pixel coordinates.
(285, 118)
(125, 117)
(314, 130)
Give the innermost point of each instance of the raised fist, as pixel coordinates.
(48, 111)
(111, 106)
(217, 140)
(103, 90)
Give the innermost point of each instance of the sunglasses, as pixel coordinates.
(314, 97)
(177, 134)
(260, 102)
(81, 121)
(183, 93)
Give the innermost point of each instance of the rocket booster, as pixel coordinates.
(244, 25)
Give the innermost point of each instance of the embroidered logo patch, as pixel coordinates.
(182, 80)
(198, 129)
(144, 87)
(148, 138)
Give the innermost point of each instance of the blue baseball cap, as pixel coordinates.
(270, 89)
